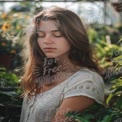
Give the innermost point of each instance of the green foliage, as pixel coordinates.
(7, 78)
(10, 100)
(96, 113)
(9, 88)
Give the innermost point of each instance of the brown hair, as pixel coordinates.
(73, 30)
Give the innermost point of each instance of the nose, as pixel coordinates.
(48, 39)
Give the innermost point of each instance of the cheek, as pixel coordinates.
(67, 46)
(64, 45)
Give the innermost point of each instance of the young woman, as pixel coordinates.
(60, 73)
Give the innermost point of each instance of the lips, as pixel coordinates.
(49, 49)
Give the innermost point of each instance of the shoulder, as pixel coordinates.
(86, 83)
(85, 75)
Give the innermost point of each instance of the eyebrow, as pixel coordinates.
(51, 30)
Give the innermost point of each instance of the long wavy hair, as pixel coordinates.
(73, 30)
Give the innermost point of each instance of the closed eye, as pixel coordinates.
(57, 34)
(41, 34)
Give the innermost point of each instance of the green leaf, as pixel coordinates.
(107, 118)
(109, 98)
(11, 94)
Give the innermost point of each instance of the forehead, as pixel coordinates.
(47, 25)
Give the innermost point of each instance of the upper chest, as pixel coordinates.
(56, 80)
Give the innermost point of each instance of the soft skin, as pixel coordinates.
(49, 36)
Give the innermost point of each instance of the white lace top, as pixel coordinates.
(43, 107)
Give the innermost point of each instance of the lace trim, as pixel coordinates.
(87, 88)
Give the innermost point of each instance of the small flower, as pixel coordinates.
(13, 51)
(18, 27)
(16, 15)
(4, 15)
(3, 44)
(27, 17)
(5, 26)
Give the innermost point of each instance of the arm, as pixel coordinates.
(79, 95)
(76, 103)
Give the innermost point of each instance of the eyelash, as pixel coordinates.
(53, 35)
(58, 36)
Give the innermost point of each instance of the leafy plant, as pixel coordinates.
(10, 100)
(9, 86)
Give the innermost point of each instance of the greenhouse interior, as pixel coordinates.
(102, 20)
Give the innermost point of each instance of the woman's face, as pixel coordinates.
(51, 41)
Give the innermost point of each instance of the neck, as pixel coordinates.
(67, 66)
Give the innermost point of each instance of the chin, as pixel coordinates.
(51, 56)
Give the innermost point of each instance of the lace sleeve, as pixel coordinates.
(92, 89)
